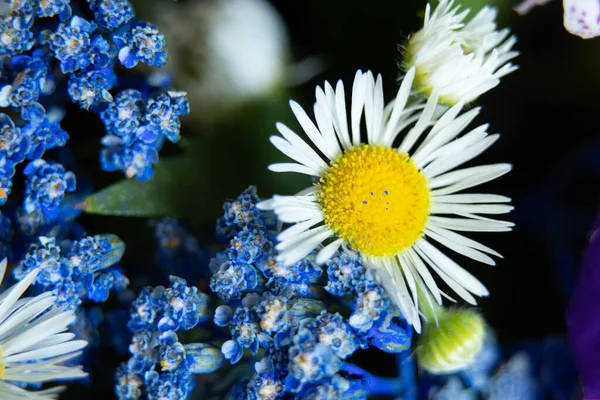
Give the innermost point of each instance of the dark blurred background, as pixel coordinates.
(547, 113)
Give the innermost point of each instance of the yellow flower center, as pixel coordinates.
(376, 199)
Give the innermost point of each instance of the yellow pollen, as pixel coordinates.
(376, 199)
(2, 366)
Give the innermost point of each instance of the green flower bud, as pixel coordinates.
(452, 343)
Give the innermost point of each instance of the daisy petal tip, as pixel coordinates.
(322, 258)
(265, 205)
(273, 168)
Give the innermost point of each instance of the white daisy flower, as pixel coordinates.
(34, 342)
(460, 60)
(386, 201)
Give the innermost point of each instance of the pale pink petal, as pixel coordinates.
(526, 5)
(582, 17)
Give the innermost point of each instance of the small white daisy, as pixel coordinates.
(386, 201)
(34, 342)
(460, 60)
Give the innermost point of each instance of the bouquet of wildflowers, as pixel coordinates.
(292, 289)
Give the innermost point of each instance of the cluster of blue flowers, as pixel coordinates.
(178, 252)
(45, 62)
(284, 310)
(161, 367)
(46, 184)
(136, 129)
(78, 271)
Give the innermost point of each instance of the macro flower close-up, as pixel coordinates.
(316, 200)
(389, 203)
(460, 58)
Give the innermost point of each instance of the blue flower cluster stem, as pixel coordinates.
(407, 375)
(377, 386)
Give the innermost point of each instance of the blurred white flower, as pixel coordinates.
(225, 52)
(526, 5)
(460, 60)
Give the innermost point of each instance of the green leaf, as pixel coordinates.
(213, 167)
(174, 190)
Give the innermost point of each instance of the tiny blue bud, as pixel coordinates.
(205, 358)
(223, 315)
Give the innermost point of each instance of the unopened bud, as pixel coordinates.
(452, 343)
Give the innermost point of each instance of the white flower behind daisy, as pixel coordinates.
(34, 342)
(461, 60)
(390, 202)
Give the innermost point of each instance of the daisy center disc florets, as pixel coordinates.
(376, 199)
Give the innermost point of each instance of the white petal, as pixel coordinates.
(470, 198)
(311, 131)
(301, 145)
(301, 237)
(458, 289)
(297, 228)
(457, 273)
(292, 167)
(29, 311)
(325, 124)
(472, 177)
(463, 240)
(304, 248)
(457, 157)
(398, 107)
(358, 101)
(424, 120)
(444, 130)
(421, 268)
(54, 322)
(13, 294)
(390, 277)
(453, 208)
(422, 286)
(47, 351)
(341, 117)
(471, 225)
(460, 248)
(3, 265)
(328, 251)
